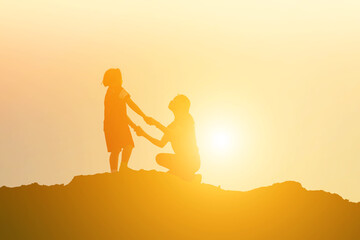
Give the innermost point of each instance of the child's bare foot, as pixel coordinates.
(123, 167)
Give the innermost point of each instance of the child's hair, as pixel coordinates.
(182, 102)
(112, 77)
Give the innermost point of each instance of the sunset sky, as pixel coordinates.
(277, 81)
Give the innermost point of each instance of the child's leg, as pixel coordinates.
(126, 153)
(114, 159)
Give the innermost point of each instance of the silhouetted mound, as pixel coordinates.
(153, 205)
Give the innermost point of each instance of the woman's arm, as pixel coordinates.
(151, 121)
(160, 143)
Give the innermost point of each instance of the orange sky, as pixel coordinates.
(281, 76)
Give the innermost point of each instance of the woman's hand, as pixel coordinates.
(150, 120)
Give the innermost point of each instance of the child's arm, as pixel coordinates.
(132, 124)
(157, 124)
(160, 143)
(135, 107)
(126, 96)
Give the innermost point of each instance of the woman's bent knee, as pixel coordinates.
(159, 158)
(163, 159)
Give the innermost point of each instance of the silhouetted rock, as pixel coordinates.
(154, 205)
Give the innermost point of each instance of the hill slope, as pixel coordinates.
(153, 205)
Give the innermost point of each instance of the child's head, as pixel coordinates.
(112, 77)
(180, 104)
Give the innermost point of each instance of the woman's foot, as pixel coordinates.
(197, 178)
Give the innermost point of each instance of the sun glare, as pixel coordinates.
(221, 141)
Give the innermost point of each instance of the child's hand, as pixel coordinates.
(150, 120)
(139, 131)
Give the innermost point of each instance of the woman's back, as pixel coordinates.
(182, 136)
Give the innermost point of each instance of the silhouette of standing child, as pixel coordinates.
(116, 122)
(185, 161)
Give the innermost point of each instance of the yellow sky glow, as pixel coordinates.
(281, 78)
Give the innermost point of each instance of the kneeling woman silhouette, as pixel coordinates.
(116, 123)
(181, 134)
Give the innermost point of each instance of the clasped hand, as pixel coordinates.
(150, 120)
(139, 131)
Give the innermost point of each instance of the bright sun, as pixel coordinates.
(221, 141)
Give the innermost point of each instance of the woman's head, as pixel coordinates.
(112, 77)
(180, 104)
